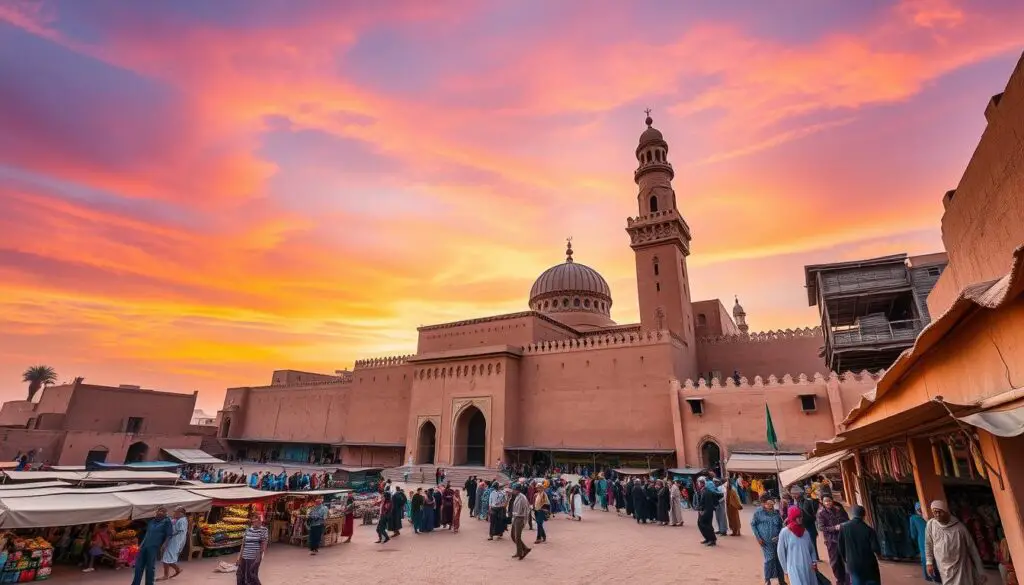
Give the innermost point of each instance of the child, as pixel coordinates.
(98, 548)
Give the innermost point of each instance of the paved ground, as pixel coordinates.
(602, 548)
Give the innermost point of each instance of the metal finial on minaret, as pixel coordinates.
(649, 121)
(568, 249)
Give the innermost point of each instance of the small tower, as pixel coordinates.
(740, 316)
(660, 240)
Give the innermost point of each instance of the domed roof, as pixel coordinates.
(570, 277)
(737, 309)
(651, 134)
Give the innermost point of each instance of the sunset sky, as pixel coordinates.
(195, 193)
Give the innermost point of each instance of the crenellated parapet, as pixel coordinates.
(382, 362)
(787, 380)
(331, 382)
(762, 336)
(591, 342)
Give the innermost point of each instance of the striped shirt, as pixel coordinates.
(252, 545)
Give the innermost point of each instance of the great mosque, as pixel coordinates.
(562, 381)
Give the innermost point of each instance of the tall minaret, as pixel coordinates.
(660, 240)
(740, 316)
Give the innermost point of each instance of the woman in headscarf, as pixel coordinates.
(675, 510)
(602, 491)
(483, 495)
(664, 502)
(766, 525)
(456, 510)
(447, 505)
(577, 503)
(438, 501)
(830, 519)
(796, 551)
(427, 522)
(348, 527)
(733, 507)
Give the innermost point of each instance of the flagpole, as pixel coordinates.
(773, 442)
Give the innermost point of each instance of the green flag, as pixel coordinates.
(773, 439)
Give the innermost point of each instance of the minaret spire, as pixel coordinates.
(568, 250)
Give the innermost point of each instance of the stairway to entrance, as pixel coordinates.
(457, 474)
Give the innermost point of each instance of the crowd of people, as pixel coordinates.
(265, 480)
(787, 529)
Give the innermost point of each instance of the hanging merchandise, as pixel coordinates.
(960, 458)
(975, 506)
(892, 504)
(887, 462)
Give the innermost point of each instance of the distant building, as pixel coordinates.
(872, 310)
(200, 418)
(73, 424)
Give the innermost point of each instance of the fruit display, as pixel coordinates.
(24, 559)
(229, 531)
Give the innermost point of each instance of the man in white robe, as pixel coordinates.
(950, 552)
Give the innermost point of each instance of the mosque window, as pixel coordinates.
(657, 286)
(654, 203)
(702, 320)
(586, 303)
(655, 268)
(565, 302)
(576, 302)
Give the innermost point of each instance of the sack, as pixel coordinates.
(822, 579)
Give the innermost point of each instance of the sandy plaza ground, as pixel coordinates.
(602, 548)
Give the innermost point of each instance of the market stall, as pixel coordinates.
(760, 471)
(24, 559)
(360, 479)
(889, 478)
(290, 511)
(223, 529)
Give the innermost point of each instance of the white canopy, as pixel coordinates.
(62, 510)
(30, 490)
(1001, 423)
(8, 464)
(762, 462)
(94, 476)
(193, 456)
(49, 507)
(145, 502)
(237, 493)
(33, 485)
(811, 467)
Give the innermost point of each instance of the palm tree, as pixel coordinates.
(37, 377)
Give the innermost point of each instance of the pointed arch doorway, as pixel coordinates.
(426, 443)
(470, 446)
(711, 455)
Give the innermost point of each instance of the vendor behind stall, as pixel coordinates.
(98, 547)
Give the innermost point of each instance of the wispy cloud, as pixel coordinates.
(194, 194)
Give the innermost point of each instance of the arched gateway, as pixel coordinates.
(426, 445)
(470, 446)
